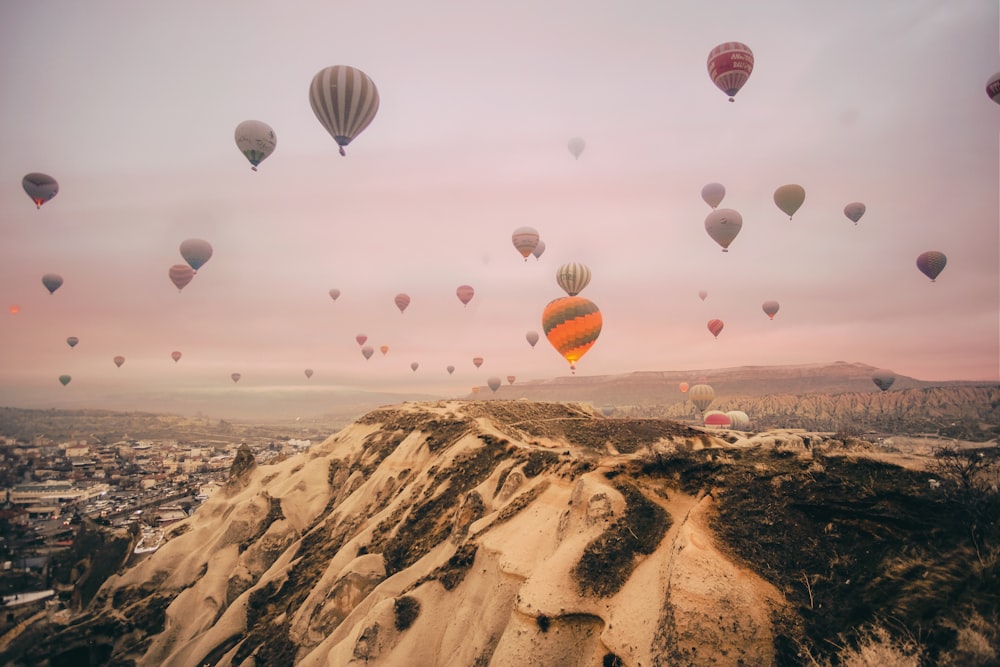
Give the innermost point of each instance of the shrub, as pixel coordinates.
(407, 609)
(543, 622)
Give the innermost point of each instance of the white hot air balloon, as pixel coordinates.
(713, 194)
(256, 140)
(573, 277)
(723, 224)
(576, 146)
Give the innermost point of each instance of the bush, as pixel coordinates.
(407, 609)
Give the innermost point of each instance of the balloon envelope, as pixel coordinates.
(477, 361)
(531, 337)
(414, 366)
(883, 378)
(334, 293)
(525, 239)
(702, 294)
(402, 301)
(723, 224)
(236, 377)
(683, 386)
(119, 360)
(465, 293)
(176, 356)
(789, 198)
(72, 341)
(729, 67)
(572, 325)
(361, 338)
(573, 277)
(367, 351)
(65, 379)
(715, 326)
(196, 252)
(717, 419)
(52, 282)
(713, 194)
(931, 263)
(539, 249)
(180, 275)
(493, 383)
(993, 88)
(740, 420)
(40, 187)
(510, 379)
(256, 140)
(576, 146)
(770, 307)
(345, 101)
(854, 211)
(701, 395)
(384, 349)
(450, 369)
(309, 372)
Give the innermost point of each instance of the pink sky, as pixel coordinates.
(132, 107)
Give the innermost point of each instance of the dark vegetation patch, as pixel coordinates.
(612, 660)
(543, 622)
(406, 609)
(538, 461)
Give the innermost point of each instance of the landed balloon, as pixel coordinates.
(931, 263)
(477, 361)
(196, 252)
(702, 294)
(309, 372)
(361, 338)
(414, 366)
(715, 326)
(511, 379)
(993, 88)
(72, 341)
(717, 419)
(493, 383)
(572, 325)
(701, 395)
(525, 239)
(236, 377)
(345, 101)
(789, 198)
(402, 301)
(450, 369)
(539, 249)
(854, 211)
(740, 420)
(713, 194)
(729, 66)
(723, 224)
(367, 351)
(576, 146)
(256, 140)
(770, 308)
(52, 282)
(531, 337)
(180, 275)
(465, 294)
(883, 378)
(573, 277)
(176, 356)
(40, 187)
(119, 360)
(64, 379)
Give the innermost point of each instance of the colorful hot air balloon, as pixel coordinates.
(525, 239)
(384, 349)
(723, 224)
(493, 383)
(883, 378)
(729, 67)
(40, 187)
(256, 140)
(176, 356)
(931, 263)
(576, 146)
(65, 379)
(701, 395)
(531, 337)
(334, 293)
(367, 351)
(414, 366)
(572, 325)
(309, 372)
(854, 211)
(539, 249)
(573, 277)
(717, 419)
(361, 338)
(770, 307)
(236, 377)
(72, 341)
(119, 360)
(510, 379)
(450, 369)
(683, 386)
(465, 294)
(789, 198)
(345, 100)
(477, 361)
(14, 309)
(740, 421)
(180, 275)
(713, 194)
(715, 326)
(702, 294)
(196, 252)
(993, 88)
(402, 301)
(52, 282)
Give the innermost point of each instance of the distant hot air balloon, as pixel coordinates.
(531, 337)
(52, 282)
(723, 224)
(740, 421)
(572, 325)
(450, 369)
(717, 419)
(345, 100)
(854, 211)
(573, 277)
(14, 309)
(196, 252)
(713, 194)
(309, 372)
(236, 377)
(510, 379)
(361, 338)
(256, 140)
(367, 351)
(702, 294)
(608, 410)
(477, 361)
(475, 390)
(576, 146)
(65, 379)
(402, 301)
(883, 378)
(465, 293)
(729, 67)
(72, 341)
(525, 239)
(384, 349)
(683, 386)
(119, 360)
(180, 275)
(715, 326)
(334, 293)
(931, 263)
(493, 383)
(414, 366)
(539, 249)
(40, 187)
(176, 356)
(993, 88)
(770, 307)
(701, 395)
(789, 198)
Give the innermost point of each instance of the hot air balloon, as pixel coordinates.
(702, 294)
(196, 252)
(465, 294)
(367, 351)
(539, 249)
(739, 420)
(770, 307)
(993, 88)
(572, 325)
(334, 293)
(40, 187)
(713, 194)
(402, 301)
(450, 369)
(717, 419)
(180, 275)
(477, 361)
(236, 377)
(384, 349)
(309, 372)
(52, 282)
(931, 263)
(525, 239)
(14, 309)
(531, 337)
(361, 338)
(176, 356)
(345, 100)
(715, 326)
(576, 146)
(72, 341)
(573, 277)
(256, 140)
(701, 395)
(414, 366)
(65, 379)
(883, 378)
(119, 360)
(683, 386)
(510, 379)
(493, 383)
(723, 224)
(789, 198)
(475, 390)
(729, 67)
(854, 211)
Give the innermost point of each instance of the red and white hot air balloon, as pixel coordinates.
(729, 67)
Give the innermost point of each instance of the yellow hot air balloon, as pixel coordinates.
(572, 325)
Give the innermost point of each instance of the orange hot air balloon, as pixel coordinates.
(770, 307)
(465, 294)
(119, 360)
(683, 387)
(478, 361)
(176, 356)
(572, 325)
(384, 349)
(715, 326)
(14, 310)
(181, 275)
(525, 239)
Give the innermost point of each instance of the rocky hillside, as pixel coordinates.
(521, 533)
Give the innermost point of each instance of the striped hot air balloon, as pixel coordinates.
(345, 100)
(931, 263)
(729, 67)
(525, 239)
(180, 275)
(573, 277)
(402, 301)
(572, 325)
(715, 326)
(701, 395)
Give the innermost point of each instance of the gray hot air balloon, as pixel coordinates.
(345, 101)
(531, 337)
(713, 194)
(883, 378)
(576, 146)
(854, 211)
(40, 187)
(723, 224)
(52, 282)
(493, 383)
(789, 198)
(196, 252)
